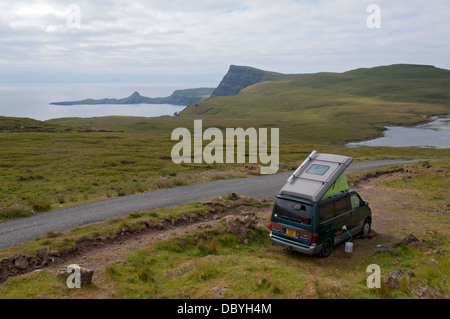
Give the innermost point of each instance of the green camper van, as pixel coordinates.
(316, 210)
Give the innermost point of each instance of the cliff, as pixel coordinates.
(240, 77)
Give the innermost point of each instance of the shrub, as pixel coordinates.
(41, 205)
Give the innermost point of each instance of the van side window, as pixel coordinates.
(341, 205)
(326, 211)
(333, 209)
(355, 201)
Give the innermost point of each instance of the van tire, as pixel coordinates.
(327, 248)
(366, 227)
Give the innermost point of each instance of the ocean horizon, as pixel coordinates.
(32, 100)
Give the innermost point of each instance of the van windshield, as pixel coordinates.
(294, 211)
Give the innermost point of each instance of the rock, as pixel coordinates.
(410, 273)
(397, 273)
(250, 213)
(426, 165)
(391, 282)
(21, 263)
(410, 240)
(425, 292)
(86, 275)
(410, 169)
(383, 249)
(250, 168)
(62, 272)
(218, 292)
(233, 196)
(438, 252)
(416, 244)
(432, 261)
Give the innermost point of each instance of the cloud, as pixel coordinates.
(204, 36)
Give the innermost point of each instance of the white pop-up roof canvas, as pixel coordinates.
(316, 175)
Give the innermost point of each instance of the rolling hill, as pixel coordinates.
(252, 88)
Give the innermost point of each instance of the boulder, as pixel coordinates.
(397, 273)
(21, 263)
(383, 249)
(234, 196)
(391, 282)
(410, 240)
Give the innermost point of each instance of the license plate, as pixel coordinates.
(290, 232)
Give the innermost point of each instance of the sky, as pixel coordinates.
(196, 41)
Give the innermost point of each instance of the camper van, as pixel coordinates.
(316, 210)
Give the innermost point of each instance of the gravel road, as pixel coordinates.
(266, 186)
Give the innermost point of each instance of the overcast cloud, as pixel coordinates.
(199, 39)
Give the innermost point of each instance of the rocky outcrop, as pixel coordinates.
(240, 77)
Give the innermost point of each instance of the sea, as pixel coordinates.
(434, 134)
(32, 100)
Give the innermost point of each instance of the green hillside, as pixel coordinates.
(23, 124)
(335, 107)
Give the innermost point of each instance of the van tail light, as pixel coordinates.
(314, 239)
(270, 227)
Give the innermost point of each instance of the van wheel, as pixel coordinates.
(327, 248)
(366, 227)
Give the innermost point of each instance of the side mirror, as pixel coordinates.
(365, 204)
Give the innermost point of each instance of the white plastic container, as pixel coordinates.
(348, 247)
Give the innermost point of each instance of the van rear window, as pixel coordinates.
(295, 211)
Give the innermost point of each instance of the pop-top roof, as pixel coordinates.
(316, 175)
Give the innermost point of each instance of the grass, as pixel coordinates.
(201, 264)
(431, 278)
(45, 171)
(217, 263)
